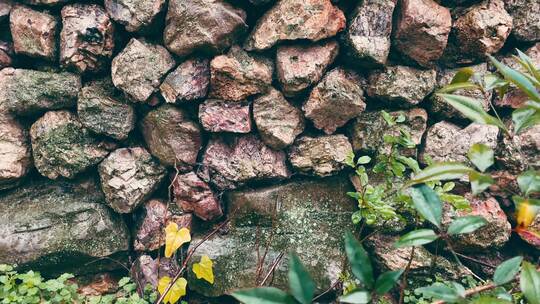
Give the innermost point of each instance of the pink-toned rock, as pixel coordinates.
(422, 30)
(86, 40)
(5, 9)
(531, 234)
(224, 116)
(6, 54)
(147, 271)
(34, 33)
(233, 163)
(44, 2)
(134, 14)
(189, 81)
(296, 19)
(15, 154)
(192, 194)
(151, 221)
(237, 75)
(300, 66)
(335, 100)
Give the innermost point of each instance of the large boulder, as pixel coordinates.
(307, 217)
(15, 154)
(189, 81)
(60, 226)
(224, 116)
(192, 194)
(296, 19)
(526, 19)
(135, 15)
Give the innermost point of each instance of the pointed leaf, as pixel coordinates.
(481, 156)
(530, 66)
(466, 224)
(177, 290)
(416, 238)
(356, 297)
(440, 291)
(300, 282)
(472, 109)
(203, 269)
(263, 295)
(480, 182)
(174, 238)
(359, 260)
(458, 86)
(492, 81)
(386, 281)
(363, 160)
(507, 270)
(462, 75)
(524, 118)
(439, 172)
(527, 210)
(529, 182)
(426, 201)
(517, 79)
(530, 283)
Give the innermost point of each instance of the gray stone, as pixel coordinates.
(526, 19)
(224, 116)
(192, 194)
(15, 154)
(189, 81)
(521, 151)
(34, 33)
(134, 14)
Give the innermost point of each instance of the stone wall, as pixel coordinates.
(247, 109)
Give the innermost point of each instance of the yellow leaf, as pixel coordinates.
(177, 291)
(175, 238)
(526, 213)
(203, 269)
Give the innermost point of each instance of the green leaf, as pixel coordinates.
(263, 295)
(472, 109)
(439, 172)
(492, 81)
(359, 260)
(416, 238)
(529, 182)
(388, 118)
(507, 270)
(529, 64)
(462, 75)
(524, 118)
(427, 203)
(480, 182)
(481, 156)
(440, 291)
(349, 160)
(466, 224)
(300, 282)
(529, 282)
(517, 79)
(457, 86)
(386, 281)
(356, 297)
(363, 160)
(488, 300)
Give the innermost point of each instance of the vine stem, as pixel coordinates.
(404, 277)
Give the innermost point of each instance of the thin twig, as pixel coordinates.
(475, 260)
(404, 277)
(108, 258)
(272, 268)
(328, 290)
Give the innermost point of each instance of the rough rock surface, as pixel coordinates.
(189, 81)
(29, 92)
(278, 122)
(526, 19)
(401, 86)
(102, 110)
(5, 8)
(201, 25)
(224, 116)
(300, 66)
(172, 137)
(237, 75)
(61, 146)
(531, 234)
(128, 177)
(307, 217)
(57, 226)
(229, 164)
(192, 194)
(321, 156)
(296, 19)
(368, 34)
(146, 269)
(6, 54)
(86, 39)
(521, 151)
(15, 154)
(448, 142)
(152, 217)
(335, 100)
(44, 2)
(138, 69)
(134, 14)
(34, 33)
(422, 30)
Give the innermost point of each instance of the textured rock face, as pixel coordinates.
(401, 86)
(335, 100)
(223, 116)
(229, 164)
(6, 54)
(134, 14)
(526, 19)
(201, 25)
(146, 269)
(5, 8)
(306, 217)
(172, 137)
(368, 34)
(128, 177)
(530, 234)
(44, 2)
(522, 151)
(138, 69)
(237, 75)
(278, 122)
(86, 40)
(102, 110)
(321, 156)
(422, 30)
(300, 66)
(192, 194)
(152, 217)
(61, 146)
(448, 142)
(189, 81)
(15, 154)
(59, 226)
(483, 29)
(296, 19)
(28, 92)
(34, 33)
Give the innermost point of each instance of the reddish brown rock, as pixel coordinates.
(202, 26)
(44, 2)
(189, 81)
(335, 100)
(224, 116)
(15, 154)
(86, 40)
(237, 75)
(6, 54)
(526, 19)
(278, 122)
(99, 284)
(147, 271)
(233, 163)
(300, 66)
(192, 194)
(151, 221)
(422, 30)
(34, 33)
(138, 69)
(296, 19)
(134, 14)
(531, 234)
(5, 8)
